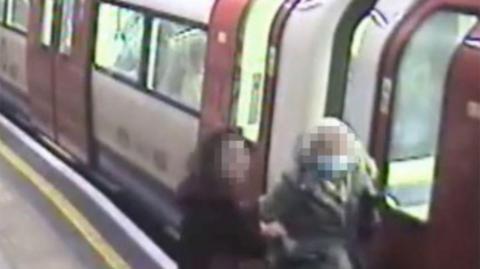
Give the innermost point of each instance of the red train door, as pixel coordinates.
(456, 209)
(241, 33)
(417, 132)
(224, 32)
(59, 62)
(40, 58)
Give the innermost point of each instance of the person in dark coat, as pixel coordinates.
(220, 228)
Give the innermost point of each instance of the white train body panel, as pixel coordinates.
(149, 133)
(362, 84)
(194, 10)
(13, 62)
(304, 69)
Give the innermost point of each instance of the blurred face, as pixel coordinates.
(235, 160)
(328, 155)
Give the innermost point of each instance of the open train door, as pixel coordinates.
(425, 139)
(59, 50)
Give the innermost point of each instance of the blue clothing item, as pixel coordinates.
(331, 167)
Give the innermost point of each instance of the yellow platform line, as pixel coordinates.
(68, 210)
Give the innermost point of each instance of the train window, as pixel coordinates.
(47, 22)
(359, 36)
(66, 34)
(17, 14)
(119, 41)
(176, 61)
(256, 59)
(418, 109)
(358, 42)
(2, 10)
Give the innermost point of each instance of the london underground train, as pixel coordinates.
(125, 89)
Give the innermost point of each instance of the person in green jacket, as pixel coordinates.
(313, 215)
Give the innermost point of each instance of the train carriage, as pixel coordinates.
(124, 90)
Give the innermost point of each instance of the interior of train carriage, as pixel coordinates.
(420, 91)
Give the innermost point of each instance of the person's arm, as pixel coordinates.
(275, 203)
(367, 190)
(272, 207)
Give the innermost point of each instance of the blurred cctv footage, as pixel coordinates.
(263, 134)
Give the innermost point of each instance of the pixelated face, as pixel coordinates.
(329, 152)
(330, 141)
(235, 160)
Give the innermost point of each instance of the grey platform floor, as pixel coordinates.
(33, 234)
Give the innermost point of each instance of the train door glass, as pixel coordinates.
(47, 22)
(255, 60)
(2, 10)
(359, 36)
(66, 33)
(417, 110)
(357, 43)
(176, 61)
(17, 15)
(119, 41)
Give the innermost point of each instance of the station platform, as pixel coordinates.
(52, 218)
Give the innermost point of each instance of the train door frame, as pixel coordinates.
(391, 242)
(224, 51)
(223, 47)
(60, 100)
(72, 84)
(40, 84)
(282, 125)
(337, 83)
(361, 85)
(223, 58)
(262, 153)
(461, 116)
(390, 58)
(249, 109)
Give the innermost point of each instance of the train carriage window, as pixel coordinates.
(47, 22)
(359, 36)
(176, 61)
(255, 59)
(66, 34)
(119, 41)
(417, 111)
(2, 10)
(17, 14)
(358, 42)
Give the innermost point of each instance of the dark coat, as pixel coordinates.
(216, 234)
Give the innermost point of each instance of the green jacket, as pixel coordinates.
(321, 219)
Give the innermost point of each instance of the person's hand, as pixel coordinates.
(273, 230)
